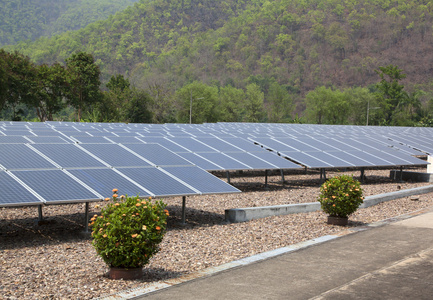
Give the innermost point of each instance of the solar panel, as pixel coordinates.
(21, 157)
(374, 160)
(251, 161)
(218, 144)
(5, 139)
(68, 155)
(352, 158)
(55, 186)
(158, 155)
(104, 180)
(200, 161)
(243, 144)
(125, 139)
(225, 161)
(157, 182)
(203, 181)
(13, 193)
(330, 159)
(191, 144)
(276, 160)
(48, 139)
(164, 142)
(115, 155)
(306, 160)
(91, 140)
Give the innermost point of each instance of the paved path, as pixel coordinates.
(393, 261)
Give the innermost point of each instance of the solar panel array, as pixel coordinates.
(64, 162)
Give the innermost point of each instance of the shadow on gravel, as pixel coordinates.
(58, 229)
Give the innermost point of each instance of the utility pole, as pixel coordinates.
(368, 110)
(190, 106)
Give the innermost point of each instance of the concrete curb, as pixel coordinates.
(236, 215)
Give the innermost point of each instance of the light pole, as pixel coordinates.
(368, 110)
(190, 107)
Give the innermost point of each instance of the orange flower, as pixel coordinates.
(158, 228)
(122, 196)
(347, 195)
(134, 235)
(333, 197)
(115, 195)
(115, 190)
(333, 205)
(137, 214)
(124, 215)
(117, 204)
(144, 227)
(150, 198)
(138, 204)
(105, 235)
(107, 199)
(167, 213)
(101, 217)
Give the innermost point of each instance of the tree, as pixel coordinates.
(232, 104)
(137, 108)
(389, 91)
(51, 89)
(83, 82)
(280, 104)
(254, 109)
(199, 100)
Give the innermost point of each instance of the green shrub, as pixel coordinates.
(129, 230)
(340, 196)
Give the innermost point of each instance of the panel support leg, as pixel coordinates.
(228, 177)
(183, 210)
(401, 174)
(266, 178)
(362, 175)
(40, 217)
(86, 217)
(282, 176)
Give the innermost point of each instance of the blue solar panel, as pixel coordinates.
(125, 139)
(105, 180)
(115, 155)
(306, 160)
(243, 144)
(13, 140)
(276, 160)
(226, 162)
(203, 181)
(191, 144)
(251, 161)
(157, 182)
(218, 144)
(330, 159)
(374, 160)
(164, 142)
(91, 140)
(13, 193)
(352, 158)
(200, 161)
(49, 139)
(158, 155)
(68, 155)
(55, 186)
(21, 157)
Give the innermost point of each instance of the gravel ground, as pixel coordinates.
(55, 260)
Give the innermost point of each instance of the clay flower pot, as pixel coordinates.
(125, 273)
(341, 221)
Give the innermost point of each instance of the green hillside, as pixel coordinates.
(29, 20)
(296, 45)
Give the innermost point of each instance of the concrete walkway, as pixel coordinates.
(385, 260)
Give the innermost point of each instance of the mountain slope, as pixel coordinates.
(29, 20)
(298, 43)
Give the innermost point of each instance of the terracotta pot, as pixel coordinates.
(125, 273)
(342, 221)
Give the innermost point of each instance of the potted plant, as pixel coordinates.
(339, 197)
(127, 233)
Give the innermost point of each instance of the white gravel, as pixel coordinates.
(57, 261)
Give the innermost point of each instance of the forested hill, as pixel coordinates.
(28, 20)
(301, 44)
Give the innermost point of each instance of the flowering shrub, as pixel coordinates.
(128, 231)
(340, 196)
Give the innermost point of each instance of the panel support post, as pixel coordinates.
(401, 174)
(86, 217)
(266, 178)
(228, 177)
(40, 213)
(282, 176)
(183, 210)
(362, 175)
